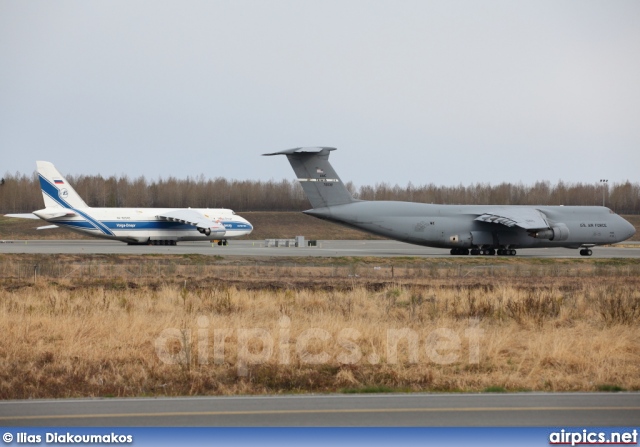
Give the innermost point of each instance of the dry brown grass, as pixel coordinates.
(95, 327)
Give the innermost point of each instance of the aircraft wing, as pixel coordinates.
(523, 217)
(191, 217)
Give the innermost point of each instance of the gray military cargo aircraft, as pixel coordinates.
(465, 229)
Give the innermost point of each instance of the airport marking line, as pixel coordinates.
(327, 411)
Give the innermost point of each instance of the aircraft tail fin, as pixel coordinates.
(319, 180)
(56, 191)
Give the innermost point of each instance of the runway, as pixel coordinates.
(393, 410)
(329, 248)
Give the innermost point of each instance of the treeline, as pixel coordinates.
(20, 193)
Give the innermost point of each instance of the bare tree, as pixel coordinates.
(21, 193)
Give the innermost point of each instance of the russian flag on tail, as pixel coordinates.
(58, 182)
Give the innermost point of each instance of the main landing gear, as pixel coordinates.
(162, 242)
(460, 251)
(506, 252)
(586, 252)
(483, 251)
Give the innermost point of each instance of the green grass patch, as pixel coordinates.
(371, 389)
(609, 388)
(494, 389)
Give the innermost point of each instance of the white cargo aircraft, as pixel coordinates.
(157, 226)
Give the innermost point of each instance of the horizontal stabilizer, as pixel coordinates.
(23, 216)
(302, 150)
(47, 227)
(53, 213)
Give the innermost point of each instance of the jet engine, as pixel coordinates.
(558, 232)
(205, 231)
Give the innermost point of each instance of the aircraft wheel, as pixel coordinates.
(491, 252)
(586, 252)
(475, 252)
(454, 251)
(512, 252)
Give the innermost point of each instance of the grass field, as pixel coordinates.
(77, 326)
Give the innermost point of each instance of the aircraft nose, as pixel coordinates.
(250, 227)
(627, 230)
(631, 228)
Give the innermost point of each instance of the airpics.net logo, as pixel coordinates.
(257, 346)
(588, 437)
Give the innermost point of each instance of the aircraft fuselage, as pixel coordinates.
(142, 225)
(455, 226)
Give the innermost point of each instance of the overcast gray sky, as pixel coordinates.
(449, 92)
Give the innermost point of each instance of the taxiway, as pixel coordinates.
(329, 248)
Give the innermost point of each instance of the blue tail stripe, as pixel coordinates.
(53, 192)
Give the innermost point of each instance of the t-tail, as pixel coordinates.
(56, 191)
(319, 181)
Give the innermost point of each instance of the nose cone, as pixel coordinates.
(248, 227)
(627, 231)
(631, 228)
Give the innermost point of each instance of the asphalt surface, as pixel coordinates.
(389, 410)
(380, 248)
